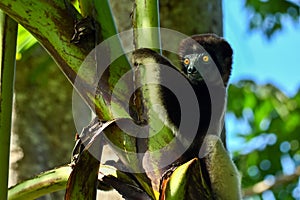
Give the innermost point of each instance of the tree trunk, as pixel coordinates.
(192, 17)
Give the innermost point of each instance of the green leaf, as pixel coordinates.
(25, 40)
(186, 182)
(82, 183)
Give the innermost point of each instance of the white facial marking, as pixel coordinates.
(195, 46)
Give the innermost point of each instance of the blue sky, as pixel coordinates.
(273, 61)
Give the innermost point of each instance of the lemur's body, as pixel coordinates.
(206, 51)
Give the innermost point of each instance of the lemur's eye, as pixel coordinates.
(186, 61)
(205, 58)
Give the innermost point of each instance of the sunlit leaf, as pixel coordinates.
(25, 41)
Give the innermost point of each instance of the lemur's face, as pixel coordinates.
(190, 63)
(205, 51)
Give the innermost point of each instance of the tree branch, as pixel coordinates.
(263, 186)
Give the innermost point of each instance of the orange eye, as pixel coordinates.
(186, 61)
(205, 58)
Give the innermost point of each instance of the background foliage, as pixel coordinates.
(268, 16)
(269, 138)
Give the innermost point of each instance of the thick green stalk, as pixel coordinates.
(45, 183)
(101, 12)
(8, 38)
(146, 18)
(52, 23)
(82, 185)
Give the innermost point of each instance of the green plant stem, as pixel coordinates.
(146, 18)
(8, 38)
(100, 10)
(52, 24)
(82, 185)
(47, 182)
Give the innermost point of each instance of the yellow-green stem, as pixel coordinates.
(47, 182)
(146, 18)
(8, 38)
